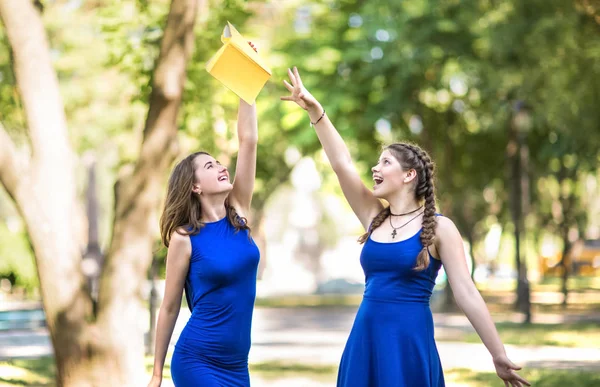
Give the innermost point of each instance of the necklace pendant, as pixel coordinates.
(394, 234)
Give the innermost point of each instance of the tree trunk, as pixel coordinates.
(92, 258)
(43, 189)
(137, 197)
(517, 158)
(565, 267)
(449, 304)
(107, 351)
(568, 207)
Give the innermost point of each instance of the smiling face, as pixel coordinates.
(210, 176)
(389, 176)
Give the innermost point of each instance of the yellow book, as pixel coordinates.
(237, 66)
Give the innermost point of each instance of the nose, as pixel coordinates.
(223, 168)
(374, 168)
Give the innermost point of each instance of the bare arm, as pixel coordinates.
(245, 170)
(178, 261)
(361, 199)
(449, 245)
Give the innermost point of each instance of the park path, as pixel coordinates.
(317, 336)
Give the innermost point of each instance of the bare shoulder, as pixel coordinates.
(446, 230)
(444, 224)
(180, 243)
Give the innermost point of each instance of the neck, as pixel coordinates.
(213, 207)
(403, 204)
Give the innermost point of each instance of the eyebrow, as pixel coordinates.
(209, 162)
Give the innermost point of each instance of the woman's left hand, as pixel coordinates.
(506, 371)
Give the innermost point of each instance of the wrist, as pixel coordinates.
(314, 112)
(498, 354)
(316, 116)
(244, 103)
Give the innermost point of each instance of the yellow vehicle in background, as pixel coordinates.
(582, 259)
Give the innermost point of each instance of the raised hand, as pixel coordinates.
(506, 371)
(299, 94)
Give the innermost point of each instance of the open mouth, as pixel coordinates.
(223, 178)
(378, 180)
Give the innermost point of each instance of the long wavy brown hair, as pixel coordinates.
(183, 210)
(411, 156)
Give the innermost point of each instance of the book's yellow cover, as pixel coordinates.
(237, 66)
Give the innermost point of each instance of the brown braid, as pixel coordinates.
(413, 157)
(377, 220)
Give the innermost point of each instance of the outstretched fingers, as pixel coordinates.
(297, 75)
(292, 78)
(519, 378)
(288, 86)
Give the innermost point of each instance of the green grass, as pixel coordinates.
(537, 377)
(283, 370)
(574, 283)
(27, 372)
(40, 373)
(548, 284)
(564, 335)
(310, 301)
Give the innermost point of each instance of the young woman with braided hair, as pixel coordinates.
(392, 342)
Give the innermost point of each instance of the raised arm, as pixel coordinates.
(361, 199)
(178, 261)
(449, 245)
(245, 169)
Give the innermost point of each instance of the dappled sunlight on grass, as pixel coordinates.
(40, 372)
(566, 335)
(281, 370)
(537, 377)
(30, 372)
(310, 301)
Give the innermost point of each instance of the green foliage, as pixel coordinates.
(445, 74)
(16, 258)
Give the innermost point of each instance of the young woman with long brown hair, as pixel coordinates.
(405, 244)
(213, 257)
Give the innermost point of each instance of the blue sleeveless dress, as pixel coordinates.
(220, 288)
(391, 343)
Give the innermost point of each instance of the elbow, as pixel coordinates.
(468, 299)
(248, 139)
(171, 308)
